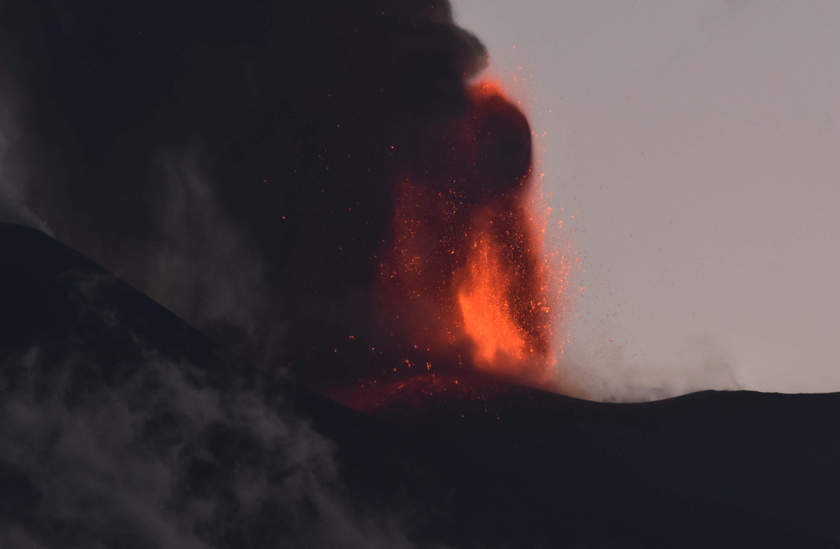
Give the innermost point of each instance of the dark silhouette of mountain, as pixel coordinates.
(121, 426)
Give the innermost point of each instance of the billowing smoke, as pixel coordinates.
(156, 462)
(602, 370)
(203, 268)
(241, 162)
(112, 439)
(13, 192)
(238, 161)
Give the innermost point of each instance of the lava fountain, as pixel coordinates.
(465, 279)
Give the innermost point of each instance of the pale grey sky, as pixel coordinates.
(698, 146)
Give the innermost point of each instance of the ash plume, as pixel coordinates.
(237, 162)
(240, 162)
(297, 120)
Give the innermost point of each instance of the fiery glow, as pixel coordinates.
(485, 309)
(465, 280)
(486, 88)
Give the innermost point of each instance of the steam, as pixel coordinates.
(202, 268)
(132, 465)
(152, 452)
(13, 191)
(601, 370)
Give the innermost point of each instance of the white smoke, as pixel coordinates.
(203, 269)
(600, 370)
(13, 192)
(108, 443)
(155, 457)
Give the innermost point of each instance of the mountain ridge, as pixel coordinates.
(88, 358)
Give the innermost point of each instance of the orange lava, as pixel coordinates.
(500, 341)
(465, 281)
(485, 310)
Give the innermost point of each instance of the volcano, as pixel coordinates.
(122, 426)
(296, 298)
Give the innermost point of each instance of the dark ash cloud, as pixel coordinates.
(236, 160)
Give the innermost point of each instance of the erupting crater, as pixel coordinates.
(464, 281)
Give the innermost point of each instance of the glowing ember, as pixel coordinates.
(486, 310)
(465, 280)
(486, 297)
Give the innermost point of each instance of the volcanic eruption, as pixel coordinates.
(333, 173)
(464, 279)
(351, 200)
(413, 248)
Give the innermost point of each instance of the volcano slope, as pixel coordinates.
(121, 426)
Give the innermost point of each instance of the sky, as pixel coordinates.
(692, 147)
